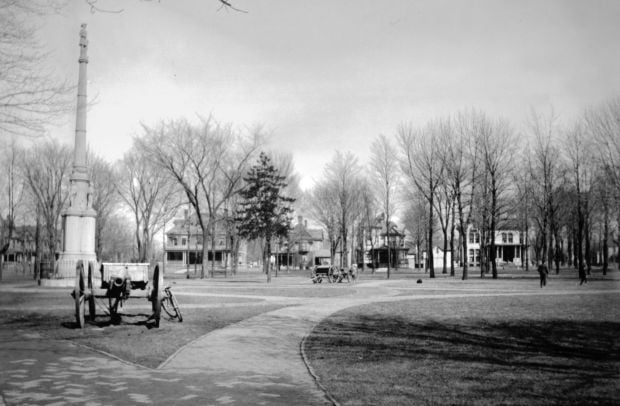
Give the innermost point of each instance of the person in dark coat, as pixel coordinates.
(543, 271)
(582, 274)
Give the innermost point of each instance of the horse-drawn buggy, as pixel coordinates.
(117, 283)
(332, 274)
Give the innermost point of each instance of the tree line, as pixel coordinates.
(558, 186)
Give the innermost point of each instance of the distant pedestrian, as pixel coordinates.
(582, 274)
(353, 272)
(543, 271)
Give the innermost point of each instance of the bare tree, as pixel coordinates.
(118, 241)
(105, 196)
(462, 171)
(603, 124)
(31, 95)
(445, 197)
(416, 220)
(11, 196)
(207, 160)
(545, 168)
(96, 7)
(580, 157)
(46, 168)
(423, 168)
(151, 195)
(496, 141)
(342, 174)
(323, 203)
(384, 173)
(368, 211)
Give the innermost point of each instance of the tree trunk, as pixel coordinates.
(463, 232)
(267, 259)
(527, 248)
(605, 237)
(557, 250)
(452, 228)
(212, 227)
(493, 225)
(587, 236)
(205, 251)
(387, 241)
(429, 252)
(569, 247)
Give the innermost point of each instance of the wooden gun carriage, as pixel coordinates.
(117, 283)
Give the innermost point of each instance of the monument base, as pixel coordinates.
(68, 262)
(57, 283)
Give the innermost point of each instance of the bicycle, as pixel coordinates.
(170, 305)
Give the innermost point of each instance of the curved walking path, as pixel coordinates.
(253, 362)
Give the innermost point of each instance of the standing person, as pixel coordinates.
(353, 272)
(582, 274)
(543, 271)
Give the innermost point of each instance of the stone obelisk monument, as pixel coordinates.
(78, 221)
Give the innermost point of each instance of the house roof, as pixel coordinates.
(302, 233)
(393, 230)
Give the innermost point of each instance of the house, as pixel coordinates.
(299, 248)
(438, 255)
(22, 246)
(184, 243)
(510, 246)
(380, 244)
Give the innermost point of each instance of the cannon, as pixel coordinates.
(118, 283)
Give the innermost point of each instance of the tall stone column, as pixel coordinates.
(78, 220)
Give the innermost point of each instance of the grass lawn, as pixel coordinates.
(524, 350)
(50, 314)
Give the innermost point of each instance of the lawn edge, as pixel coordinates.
(314, 376)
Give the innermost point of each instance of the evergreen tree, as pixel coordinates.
(264, 211)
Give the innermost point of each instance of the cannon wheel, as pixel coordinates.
(80, 287)
(91, 297)
(158, 283)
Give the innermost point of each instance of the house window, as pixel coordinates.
(474, 237)
(477, 255)
(520, 238)
(183, 241)
(471, 256)
(504, 238)
(510, 240)
(175, 256)
(175, 242)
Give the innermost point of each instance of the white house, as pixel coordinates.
(510, 246)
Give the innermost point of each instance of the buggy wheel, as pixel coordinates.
(78, 294)
(158, 282)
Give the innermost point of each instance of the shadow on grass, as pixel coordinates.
(485, 341)
(468, 361)
(102, 321)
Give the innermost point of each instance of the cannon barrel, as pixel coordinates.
(116, 287)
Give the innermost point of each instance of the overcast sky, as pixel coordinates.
(332, 75)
